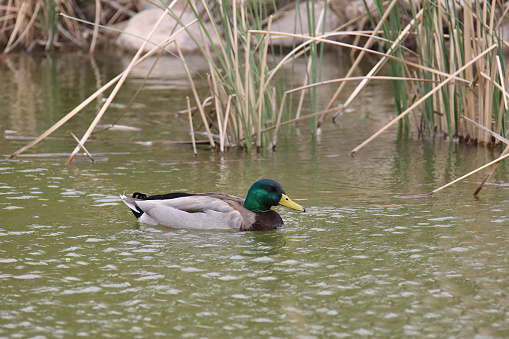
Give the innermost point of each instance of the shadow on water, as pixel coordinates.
(359, 262)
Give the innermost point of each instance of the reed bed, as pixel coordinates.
(29, 24)
(445, 77)
(472, 50)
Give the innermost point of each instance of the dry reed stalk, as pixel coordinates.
(296, 120)
(359, 58)
(191, 125)
(503, 82)
(136, 93)
(481, 185)
(228, 51)
(96, 26)
(496, 161)
(6, 18)
(366, 79)
(121, 11)
(427, 95)
(454, 51)
(397, 43)
(487, 130)
(310, 64)
(215, 90)
(73, 31)
(326, 111)
(261, 93)
(21, 25)
(225, 120)
(92, 97)
(246, 93)
(486, 91)
(324, 39)
(496, 136)
(66, 118)
(469, 72)
(83, 146)
(502, 88)
(481, 66)
(196, 96)
(119, 84)
(215, 96)
(436, 45)
(488, 100)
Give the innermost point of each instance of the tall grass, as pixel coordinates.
(245, 88)
(472, 28)
(445, 77)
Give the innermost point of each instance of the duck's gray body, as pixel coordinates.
(200, 211)
(214, 210)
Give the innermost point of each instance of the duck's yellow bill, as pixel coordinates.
(285, 201)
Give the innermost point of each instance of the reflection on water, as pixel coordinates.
(359, 262)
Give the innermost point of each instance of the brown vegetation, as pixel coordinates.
(26, 24)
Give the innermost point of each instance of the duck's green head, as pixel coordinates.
(266, 193)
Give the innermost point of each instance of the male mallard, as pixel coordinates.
(214, 210)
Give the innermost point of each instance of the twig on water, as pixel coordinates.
(502, 157)
(495, 135)
(83, 146)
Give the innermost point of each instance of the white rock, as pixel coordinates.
(139, 27)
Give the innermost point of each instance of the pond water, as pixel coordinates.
(360, 262)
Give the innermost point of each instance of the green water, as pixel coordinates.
(359, 263)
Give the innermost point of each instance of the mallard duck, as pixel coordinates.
(214, 210)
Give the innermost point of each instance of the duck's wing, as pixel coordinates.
(225, 197)
(204, 211)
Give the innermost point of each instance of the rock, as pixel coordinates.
(139, 27)
(294, 19)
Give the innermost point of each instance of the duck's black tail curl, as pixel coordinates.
(138, 195)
